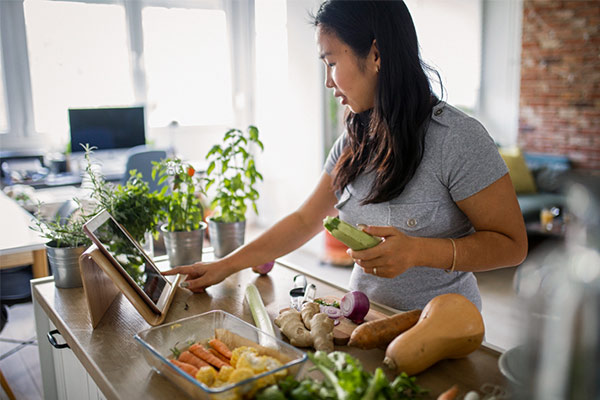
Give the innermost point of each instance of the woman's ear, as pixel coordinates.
(374, 56)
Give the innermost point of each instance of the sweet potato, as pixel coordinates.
(381, 332)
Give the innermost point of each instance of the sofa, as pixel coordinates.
(538, 179)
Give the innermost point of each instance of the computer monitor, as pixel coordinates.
(107, 128)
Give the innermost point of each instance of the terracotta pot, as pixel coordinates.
(335, 252)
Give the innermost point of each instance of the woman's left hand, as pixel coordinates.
(389, 258)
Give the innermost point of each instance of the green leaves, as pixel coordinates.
(182, 206)
(132, 205)
(66, 234)
(232, 174)
(344, 379)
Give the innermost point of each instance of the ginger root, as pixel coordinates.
(322, 332)
(290, 323)
(308, 311)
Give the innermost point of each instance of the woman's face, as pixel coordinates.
(353, 80)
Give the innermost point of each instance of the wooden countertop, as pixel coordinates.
(113, 358)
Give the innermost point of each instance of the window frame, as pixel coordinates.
(19, 95)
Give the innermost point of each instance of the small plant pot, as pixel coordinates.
(64, 263)
(335, 252)
(184, 248)
(225, 237)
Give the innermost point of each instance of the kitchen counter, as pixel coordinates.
(112, 357)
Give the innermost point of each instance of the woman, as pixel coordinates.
(416, 171)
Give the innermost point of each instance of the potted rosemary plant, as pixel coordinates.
(232, 174)
(182, 208)
(133, 204)
(66, 242)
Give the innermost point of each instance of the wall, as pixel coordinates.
(289, 95)
(498, 107)
(560, 80)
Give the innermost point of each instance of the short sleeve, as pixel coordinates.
(471, 161)
(334, 153)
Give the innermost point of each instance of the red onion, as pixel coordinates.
(355, 306)
(336, 322)
(264, 268)
(331, 312)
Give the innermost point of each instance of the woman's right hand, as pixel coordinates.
(201, 275)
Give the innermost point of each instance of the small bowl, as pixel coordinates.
(157, 342)
(513, 366)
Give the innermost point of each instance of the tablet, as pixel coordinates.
(130, 260)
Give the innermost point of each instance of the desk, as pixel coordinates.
(112, 358)
(19, 245)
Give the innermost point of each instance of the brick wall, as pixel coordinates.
(560, 80)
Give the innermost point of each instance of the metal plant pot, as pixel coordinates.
(226, 236)
(184, 248)
(64, 263)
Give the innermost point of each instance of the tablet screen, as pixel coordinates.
(133, 261)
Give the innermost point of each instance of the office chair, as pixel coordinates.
(66, 210)
(140, 158)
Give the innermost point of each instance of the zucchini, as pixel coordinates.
(349, 235)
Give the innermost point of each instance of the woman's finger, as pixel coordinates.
(367, 265)
(195, 285)
(368, 254)
(381, 231)
(184, 269)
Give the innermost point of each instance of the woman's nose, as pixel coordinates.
(328, 81)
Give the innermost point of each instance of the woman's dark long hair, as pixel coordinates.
(391, 145)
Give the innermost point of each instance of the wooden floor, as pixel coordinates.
(502, 312)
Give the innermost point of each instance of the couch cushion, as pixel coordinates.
(548, 170)
(521, 176)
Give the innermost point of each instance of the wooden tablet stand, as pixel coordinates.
(102, 282)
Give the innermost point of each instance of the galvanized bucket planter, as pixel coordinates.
(184, 248)
(64, 263)
(225, 237)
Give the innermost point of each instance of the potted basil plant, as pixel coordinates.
(182, 208)
(232, 174)
(67, 242)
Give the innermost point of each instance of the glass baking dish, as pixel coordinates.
(157, 343)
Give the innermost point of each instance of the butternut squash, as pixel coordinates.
(450, 326)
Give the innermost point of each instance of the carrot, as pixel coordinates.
(187, 368)
(219, 356)
(381, 332)
(200, 351)
(449, 394)
(220, 347)
(191, 359)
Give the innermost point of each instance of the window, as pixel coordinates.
(449, 33)
(82, 61)
(191, 87)
(176, 57)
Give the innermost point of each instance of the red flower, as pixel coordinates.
(191, 171)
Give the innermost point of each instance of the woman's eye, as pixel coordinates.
(331, 65)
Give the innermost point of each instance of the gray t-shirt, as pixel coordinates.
(460, 159)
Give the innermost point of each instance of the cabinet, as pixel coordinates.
(63, 376)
